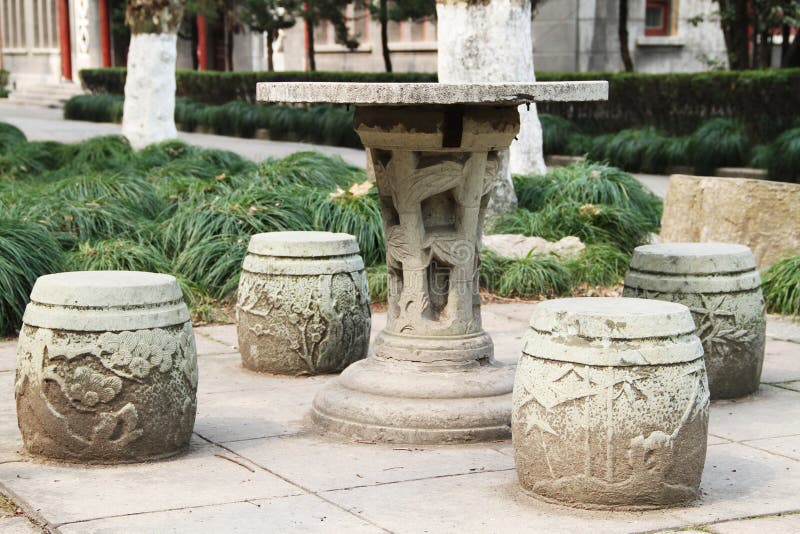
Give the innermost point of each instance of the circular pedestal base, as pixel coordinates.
(404, 402)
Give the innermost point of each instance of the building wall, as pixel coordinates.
(30, 49)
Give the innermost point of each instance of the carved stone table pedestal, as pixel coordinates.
(433, 151)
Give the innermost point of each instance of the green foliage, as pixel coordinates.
(781, 286)
(678, 103)
(356, 212)
(33, 159)
(10, 136)
(214, 263)
(556, 133)
(378, 281)
(784, 160)
(94, 108)
(310, 169)
(600, 264)
(27, 251)
(719, 143)
(117, 255)
(534, 275)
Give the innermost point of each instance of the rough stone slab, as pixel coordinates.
(740, 481)
(414, 94)
(302, 244)
(73, 493)
(348, 465)
(761, 214)
(781, 362)
(483, 502)
(759, 525)
(770, 412)
(302, 513)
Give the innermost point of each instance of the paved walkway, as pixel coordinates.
(256, 465)
(48, 125)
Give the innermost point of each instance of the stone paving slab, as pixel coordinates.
(353, 465)
(783, 329)
(265, 453)
(301, 513)
(759, 525)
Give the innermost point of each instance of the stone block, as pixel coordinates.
(107, 368)
(720, 285)
(303, 304)
(610, 404)
(760, 214)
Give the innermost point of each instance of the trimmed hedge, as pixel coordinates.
(766, 101)
(215, 87)
(4, 74)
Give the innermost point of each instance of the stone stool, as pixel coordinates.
(610, 404)
(303, 305)
(721, 286)
(106, 368)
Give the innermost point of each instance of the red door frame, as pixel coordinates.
(64, 39)
(105, 32)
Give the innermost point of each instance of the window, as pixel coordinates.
(13, 29)
(657, 17)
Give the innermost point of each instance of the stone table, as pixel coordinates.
(433, 151)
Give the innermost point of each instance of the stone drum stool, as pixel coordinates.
(611, 404)
(721, 286)
(106, 368)
(303, 305)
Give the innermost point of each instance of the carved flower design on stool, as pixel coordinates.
(140, 351)
(90, 387)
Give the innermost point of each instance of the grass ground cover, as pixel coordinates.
(190, 212)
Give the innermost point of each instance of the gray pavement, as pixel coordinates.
(256, 465)
(43, 124)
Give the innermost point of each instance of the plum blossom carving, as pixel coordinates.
(89, 387)
(141, 351)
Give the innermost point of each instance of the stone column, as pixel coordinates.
(432, 377)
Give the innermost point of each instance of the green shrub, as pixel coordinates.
(30, 160)
(600, 264)
(117, 255)
(356, 211)
(378, 281)
(4, 75)
(781, 285)
(27, 251)
(784, 157)
(217, 87)
(719, 143)
(10, 136)
(678, 103)
(534, 275)
(311, 169)
(213, 264)
(94, 108)
(100, 153)
(556, 133)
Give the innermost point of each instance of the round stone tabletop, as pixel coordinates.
(302, 244)
(105, 288)
(693, 258)
(418, 94)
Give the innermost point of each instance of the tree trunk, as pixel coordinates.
(270, 51)
(735, 23)
(228, 43)
(793, 55)
(624, 49)
(312, 63)
(384, 19)
(149, 109)
(786, 33)
(483, 42)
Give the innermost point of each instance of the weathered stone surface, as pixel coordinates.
(416, 94)
(721, 287)
(432, 378)
(760, 214)
(519, 246)
(611, 404)
(107, 368)
(303, 304)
